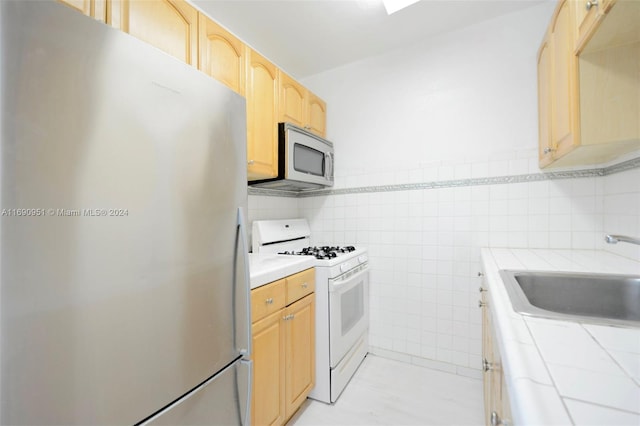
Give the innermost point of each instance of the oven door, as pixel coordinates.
(348, 311)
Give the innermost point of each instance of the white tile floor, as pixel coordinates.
(388, 392)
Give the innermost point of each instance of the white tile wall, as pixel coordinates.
(261, 207)
(424, 244)
(622, 210)
(424, 248)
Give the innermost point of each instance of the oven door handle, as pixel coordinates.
(341, 286)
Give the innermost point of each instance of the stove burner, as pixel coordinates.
(324, 252)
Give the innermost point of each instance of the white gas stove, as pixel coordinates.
(342, 300)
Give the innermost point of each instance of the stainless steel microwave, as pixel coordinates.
(305, 161)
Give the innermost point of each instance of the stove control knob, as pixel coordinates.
(362, 259)
(343, 267)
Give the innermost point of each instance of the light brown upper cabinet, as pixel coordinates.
(564, 120)
(588, 14)
(293, 100)
(262, 117)
(170, 25)
(589, 83)
(544, 103)
(301, 107)
(317, 115)
(557, 103)
(177, 28)
(222, 56)
(96, 9)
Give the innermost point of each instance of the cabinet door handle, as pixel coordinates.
(548, 150)
(486, 365)
(497, 421)
(482, 289)
(481, 304)
(250, 162)
(591, 3)
(269, 301)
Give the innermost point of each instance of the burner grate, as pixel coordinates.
(323, 252)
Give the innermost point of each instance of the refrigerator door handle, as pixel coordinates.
(243, 289)
(245, 415)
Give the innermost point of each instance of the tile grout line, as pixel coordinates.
(624, 370)
(603, 406)
(546, 367)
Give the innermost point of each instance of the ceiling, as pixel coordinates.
(306, 37)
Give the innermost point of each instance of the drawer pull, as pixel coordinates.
(305, 285)
(288, 317)
(269, 301)
(481, 304)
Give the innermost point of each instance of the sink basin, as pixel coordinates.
(596, 298)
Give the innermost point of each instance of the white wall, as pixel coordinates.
(469, 93)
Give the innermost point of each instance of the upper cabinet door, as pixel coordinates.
(545, 145)
(222, 56)
(95, 8)
(262, 116)
(170, 25)
(301, 107)
(293, 101)
(317, 115)
(564, 111)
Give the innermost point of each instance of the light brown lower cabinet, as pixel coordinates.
(283, 335)
(268, 371)
(496, 398)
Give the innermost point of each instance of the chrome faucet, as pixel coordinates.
(614, 239)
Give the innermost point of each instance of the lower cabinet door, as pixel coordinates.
(300, 352)
(268, 404)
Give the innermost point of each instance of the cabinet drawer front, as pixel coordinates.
(300, 284)
(267, 299)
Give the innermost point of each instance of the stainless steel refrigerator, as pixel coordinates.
(124, 285)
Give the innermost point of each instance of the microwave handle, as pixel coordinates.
(328, 170)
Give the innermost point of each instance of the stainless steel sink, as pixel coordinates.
(596, 298)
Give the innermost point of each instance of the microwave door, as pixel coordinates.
(307, 159)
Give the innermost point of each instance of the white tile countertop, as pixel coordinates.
(564, 372)
(266, 268)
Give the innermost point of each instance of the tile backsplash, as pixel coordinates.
(424, 242)
(621, 208)
(270, 208)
